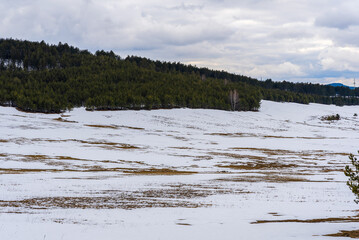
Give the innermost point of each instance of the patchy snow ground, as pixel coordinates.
(177, 174)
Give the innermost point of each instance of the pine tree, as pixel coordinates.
(353, 175)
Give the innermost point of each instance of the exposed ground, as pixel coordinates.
(178, 174)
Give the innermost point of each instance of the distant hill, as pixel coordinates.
(340, 85)
(38, 77)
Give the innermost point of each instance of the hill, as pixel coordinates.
(38, 77)
(340, 85)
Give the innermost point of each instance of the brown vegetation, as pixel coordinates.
(316, 220)
(102, 126)
(60, 119)
(113, 126)
(266, 178)
(258, 166)
(160, 171)
(121, 201)
(343, 233)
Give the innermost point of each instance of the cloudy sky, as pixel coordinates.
(302, 41)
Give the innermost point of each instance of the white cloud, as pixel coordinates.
(340, 59)
(283, 70)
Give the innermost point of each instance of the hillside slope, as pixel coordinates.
(38, 77)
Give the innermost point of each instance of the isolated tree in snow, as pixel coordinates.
(353, 175)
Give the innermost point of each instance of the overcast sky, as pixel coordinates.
(305, 40)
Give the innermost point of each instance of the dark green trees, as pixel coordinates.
(38, 77)
(353, 174)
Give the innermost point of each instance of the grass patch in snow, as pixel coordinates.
(102, 126)
(258, 166)
(232, 134)
(159, 171)
(183, 148)
(270, 136)
(109, 145)
(60, 119)
(67, 158)
(26, 170)
(184, 224)
(121, 201)
(167, 196)
(275, 214)
(315, 220)
(238, 156)
(132, 128)
(281, 152)
(265, 178)
(334, 117)
(113, 126)
(344, 233)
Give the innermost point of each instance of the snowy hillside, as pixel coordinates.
(177, 174)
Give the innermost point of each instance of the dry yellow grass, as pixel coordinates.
(343, 233)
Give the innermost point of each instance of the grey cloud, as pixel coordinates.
(187, 7)
(270, 38)
(338, 18)
(291, 33)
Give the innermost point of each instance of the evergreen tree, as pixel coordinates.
(353, 175)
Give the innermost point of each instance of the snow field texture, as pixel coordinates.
(177, 174)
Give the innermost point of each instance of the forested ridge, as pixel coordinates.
(38, 77)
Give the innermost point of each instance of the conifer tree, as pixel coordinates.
(353, 174)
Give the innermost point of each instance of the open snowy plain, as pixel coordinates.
(177, 174)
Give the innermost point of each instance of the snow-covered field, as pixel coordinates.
(177, 174)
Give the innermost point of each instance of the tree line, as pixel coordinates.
(38, 77)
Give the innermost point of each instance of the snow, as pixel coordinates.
(97, 175)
